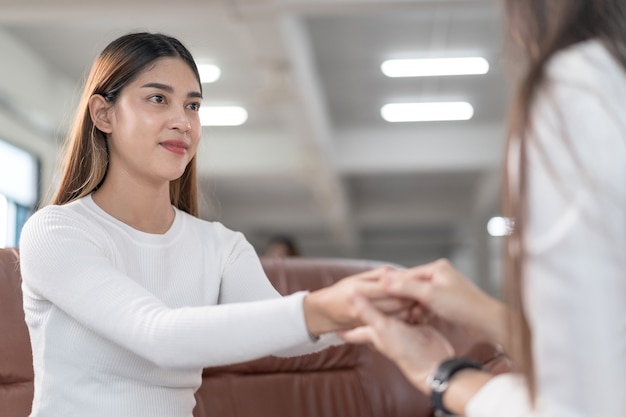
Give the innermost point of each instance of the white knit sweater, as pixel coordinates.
(122, 322)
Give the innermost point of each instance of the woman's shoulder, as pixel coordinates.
(214, 237)
(586, 64)
(53, 222)
(53, 214)
(210, 228)
(579, 53)
(583, 81)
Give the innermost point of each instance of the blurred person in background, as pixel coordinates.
(282, 246)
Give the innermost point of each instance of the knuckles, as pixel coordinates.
(442, 264)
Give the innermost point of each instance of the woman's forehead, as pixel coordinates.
(171, 69)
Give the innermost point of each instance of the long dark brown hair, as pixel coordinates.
(542, 28)
(86, 156)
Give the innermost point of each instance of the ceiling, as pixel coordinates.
(315, 160)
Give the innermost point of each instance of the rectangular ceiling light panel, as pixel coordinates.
(434, 67)
(427, 112)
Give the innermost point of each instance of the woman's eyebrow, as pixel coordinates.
(170, 89)
(160, 86)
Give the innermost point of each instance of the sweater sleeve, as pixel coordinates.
(503, 395)
(65, 264)
(243, 280)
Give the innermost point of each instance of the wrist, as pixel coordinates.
(312, 315)
(495, 323)
(487, 323)
(440, 380)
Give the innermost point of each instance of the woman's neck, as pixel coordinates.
(147, 209)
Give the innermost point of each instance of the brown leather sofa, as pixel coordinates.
(346, 381)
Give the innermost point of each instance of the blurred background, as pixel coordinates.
(308, 151)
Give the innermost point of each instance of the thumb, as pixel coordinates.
(367, 313)
(372, 319)
(357, 335)
(408, 285)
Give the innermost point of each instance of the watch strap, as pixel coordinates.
(440, 379)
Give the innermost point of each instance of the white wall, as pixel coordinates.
(35, 104)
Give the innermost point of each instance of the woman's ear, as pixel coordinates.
(99, 112)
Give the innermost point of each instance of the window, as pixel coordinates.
(4, 221)
(19, 190)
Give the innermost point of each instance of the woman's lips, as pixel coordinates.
(178, 147)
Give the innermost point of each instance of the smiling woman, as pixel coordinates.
(155, 112)
(120, 266)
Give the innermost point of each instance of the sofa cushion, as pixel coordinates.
(16, 369)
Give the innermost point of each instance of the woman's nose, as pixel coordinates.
(181, 122)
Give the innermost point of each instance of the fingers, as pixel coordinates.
(358, 335)
(391, 305)
(402, 315)
(372, 274)
(368, 284)
(330, 308)
(418, 314)
(372, 289)
(408, 285)
(367, 313)
(416, 283)
(370, 317)
(392, 291)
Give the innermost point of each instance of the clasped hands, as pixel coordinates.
(389, 307)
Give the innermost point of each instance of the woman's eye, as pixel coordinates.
(157, 99)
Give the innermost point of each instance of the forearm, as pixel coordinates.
(490, 322)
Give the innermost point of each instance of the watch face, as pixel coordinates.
(437, 385)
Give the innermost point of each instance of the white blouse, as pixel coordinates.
(575, 284)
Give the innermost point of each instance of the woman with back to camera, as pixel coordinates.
(122, 281)
(566, 257)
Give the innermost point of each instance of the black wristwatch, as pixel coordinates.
(439, 381)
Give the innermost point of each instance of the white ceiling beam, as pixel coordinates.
(302, 108)
(316, 129)
(454, 148)
(256, 8)
(248, 152)
(18, 11)
(38, 11)
(240, 151)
